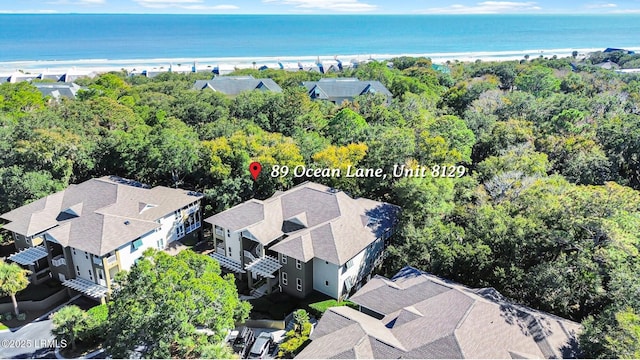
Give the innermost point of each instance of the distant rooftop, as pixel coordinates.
(58, 90)
(341, 88)
(234, 85)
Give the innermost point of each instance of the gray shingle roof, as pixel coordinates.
(239, 217)
(234, 85)
(330, 222)
(432, 318)
(58, 90)
(98, 215)
(330, 88)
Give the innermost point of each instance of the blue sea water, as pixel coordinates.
(79, 36)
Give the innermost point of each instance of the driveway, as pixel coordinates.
(25, 341)
(34, 339)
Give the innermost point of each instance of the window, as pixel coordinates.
(77, 268)
(298, 264)
(74, 251)
(229, 251)
(284, 278)
(326, 283)
(348, 283)
(86, 255)
(284, 259)
(180, 231)
(298, 284)
(349, 264)
(137, 244)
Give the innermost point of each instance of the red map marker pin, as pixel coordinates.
(254, 169)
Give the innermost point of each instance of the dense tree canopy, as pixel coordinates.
(548, 212)
(162, 302)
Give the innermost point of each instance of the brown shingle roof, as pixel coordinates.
(98, 215)
(319, 222)
(433, 318)
(240, 216)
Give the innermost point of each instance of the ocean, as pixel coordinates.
(67, 37)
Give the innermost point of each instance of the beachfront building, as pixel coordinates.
(418, 315)
(338, 90)
(54, 76)
(234, 85)
(308, 238)
(85, 234)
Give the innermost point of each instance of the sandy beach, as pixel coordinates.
(288, 62)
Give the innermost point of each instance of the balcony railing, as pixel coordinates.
(219, 232)
(59, 261)
(248, 257)
(193, 227)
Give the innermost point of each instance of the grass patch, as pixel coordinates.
(3, 326)
(276, 306)
(318, 308)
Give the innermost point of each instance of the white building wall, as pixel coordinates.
(128, 255)
(82, 262)
(324, 271)
(233, 241)
(360, 263)
(168, 229)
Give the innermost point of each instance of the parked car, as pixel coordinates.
(260, 348)
(243, 341)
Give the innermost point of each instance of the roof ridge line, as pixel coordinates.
(124, 217)
(464, 317)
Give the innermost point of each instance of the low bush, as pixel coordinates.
(95, 325)
(294, 342)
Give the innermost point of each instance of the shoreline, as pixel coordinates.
(288, 62)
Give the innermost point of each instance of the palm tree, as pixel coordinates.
(13, 279)
(68, 322)
(300, 317)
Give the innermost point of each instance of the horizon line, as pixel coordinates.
(328, 14)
